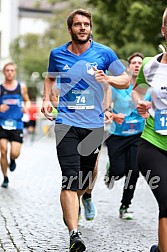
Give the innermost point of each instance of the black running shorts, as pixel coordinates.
(11, 135)
(77, 150)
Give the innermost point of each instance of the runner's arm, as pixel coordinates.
(47, 105)
(26, 98)
(121, 81)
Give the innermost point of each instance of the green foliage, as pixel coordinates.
(30, 53)
(129, 25)
(129, 48)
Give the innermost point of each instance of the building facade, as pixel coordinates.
(18, 17)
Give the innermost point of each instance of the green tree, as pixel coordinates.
(129, 25)
(30, 53)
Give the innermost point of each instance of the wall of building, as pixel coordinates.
(8, 26)
(16, 20)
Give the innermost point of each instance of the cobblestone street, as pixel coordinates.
(30, 212)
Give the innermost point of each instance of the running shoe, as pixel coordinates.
(108, 182)
(154, 248)
(90, 211)
(5, 182)
(12, 165)
(76, 243)
(125, 214)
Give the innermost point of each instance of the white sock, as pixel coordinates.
(73, 230)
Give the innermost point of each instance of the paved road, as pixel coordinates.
(31, 218)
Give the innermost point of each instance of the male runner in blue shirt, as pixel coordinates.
(81, 65)
(12, 95)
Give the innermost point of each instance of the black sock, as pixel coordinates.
(6, 180)
(12, 160)
(87, 195)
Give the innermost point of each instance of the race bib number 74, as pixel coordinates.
(80, 99)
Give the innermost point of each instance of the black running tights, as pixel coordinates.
(152, 163)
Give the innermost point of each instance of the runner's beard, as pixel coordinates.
(80, 41)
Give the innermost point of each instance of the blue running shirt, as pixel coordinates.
(80, 102)
(11, 119)
(133, 123)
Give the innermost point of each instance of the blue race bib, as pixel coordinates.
(160, 121)
(80, 99)
(132, 126)
(9, 124)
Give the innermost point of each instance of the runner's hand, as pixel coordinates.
(47, 110)
(3, 108)
(100, 76)
(143, 107)
(119, 118)
(108, 117)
